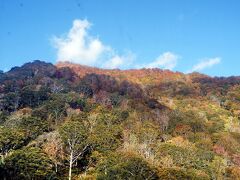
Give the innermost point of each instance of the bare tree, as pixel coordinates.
(74, 135)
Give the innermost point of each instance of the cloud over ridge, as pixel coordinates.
(79, 47)
(167, 60)
(206, 63)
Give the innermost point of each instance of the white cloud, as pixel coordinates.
(115, 62)
(167, 60)
(120, 61)
(206, 63)
(79, 47)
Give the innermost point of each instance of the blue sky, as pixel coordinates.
(182, 35)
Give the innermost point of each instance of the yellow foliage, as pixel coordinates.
(181, 142)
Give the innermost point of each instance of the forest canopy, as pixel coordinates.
(70, 121)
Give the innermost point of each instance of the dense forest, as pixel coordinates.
(68, 121)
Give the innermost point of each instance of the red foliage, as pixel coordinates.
(218, 149)
(236, 159)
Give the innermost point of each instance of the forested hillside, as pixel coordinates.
(68, 121)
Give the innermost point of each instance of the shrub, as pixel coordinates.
(177, 173)
(122, 166)
(29, 163)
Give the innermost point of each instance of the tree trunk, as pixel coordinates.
(56, 167)
(70, 166)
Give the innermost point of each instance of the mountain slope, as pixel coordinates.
(117, 124)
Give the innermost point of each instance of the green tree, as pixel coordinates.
(188, 158)
(31, 126)
(178, 173)
(56, 107)
(10, 101)
(104, 138)
(9, 139)
(218, 166)
(27, 97)
(29, 163)
(106, 131)
(3, 117)
(125, 166)
(75, 101)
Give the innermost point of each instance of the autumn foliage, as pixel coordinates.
(71, 121)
